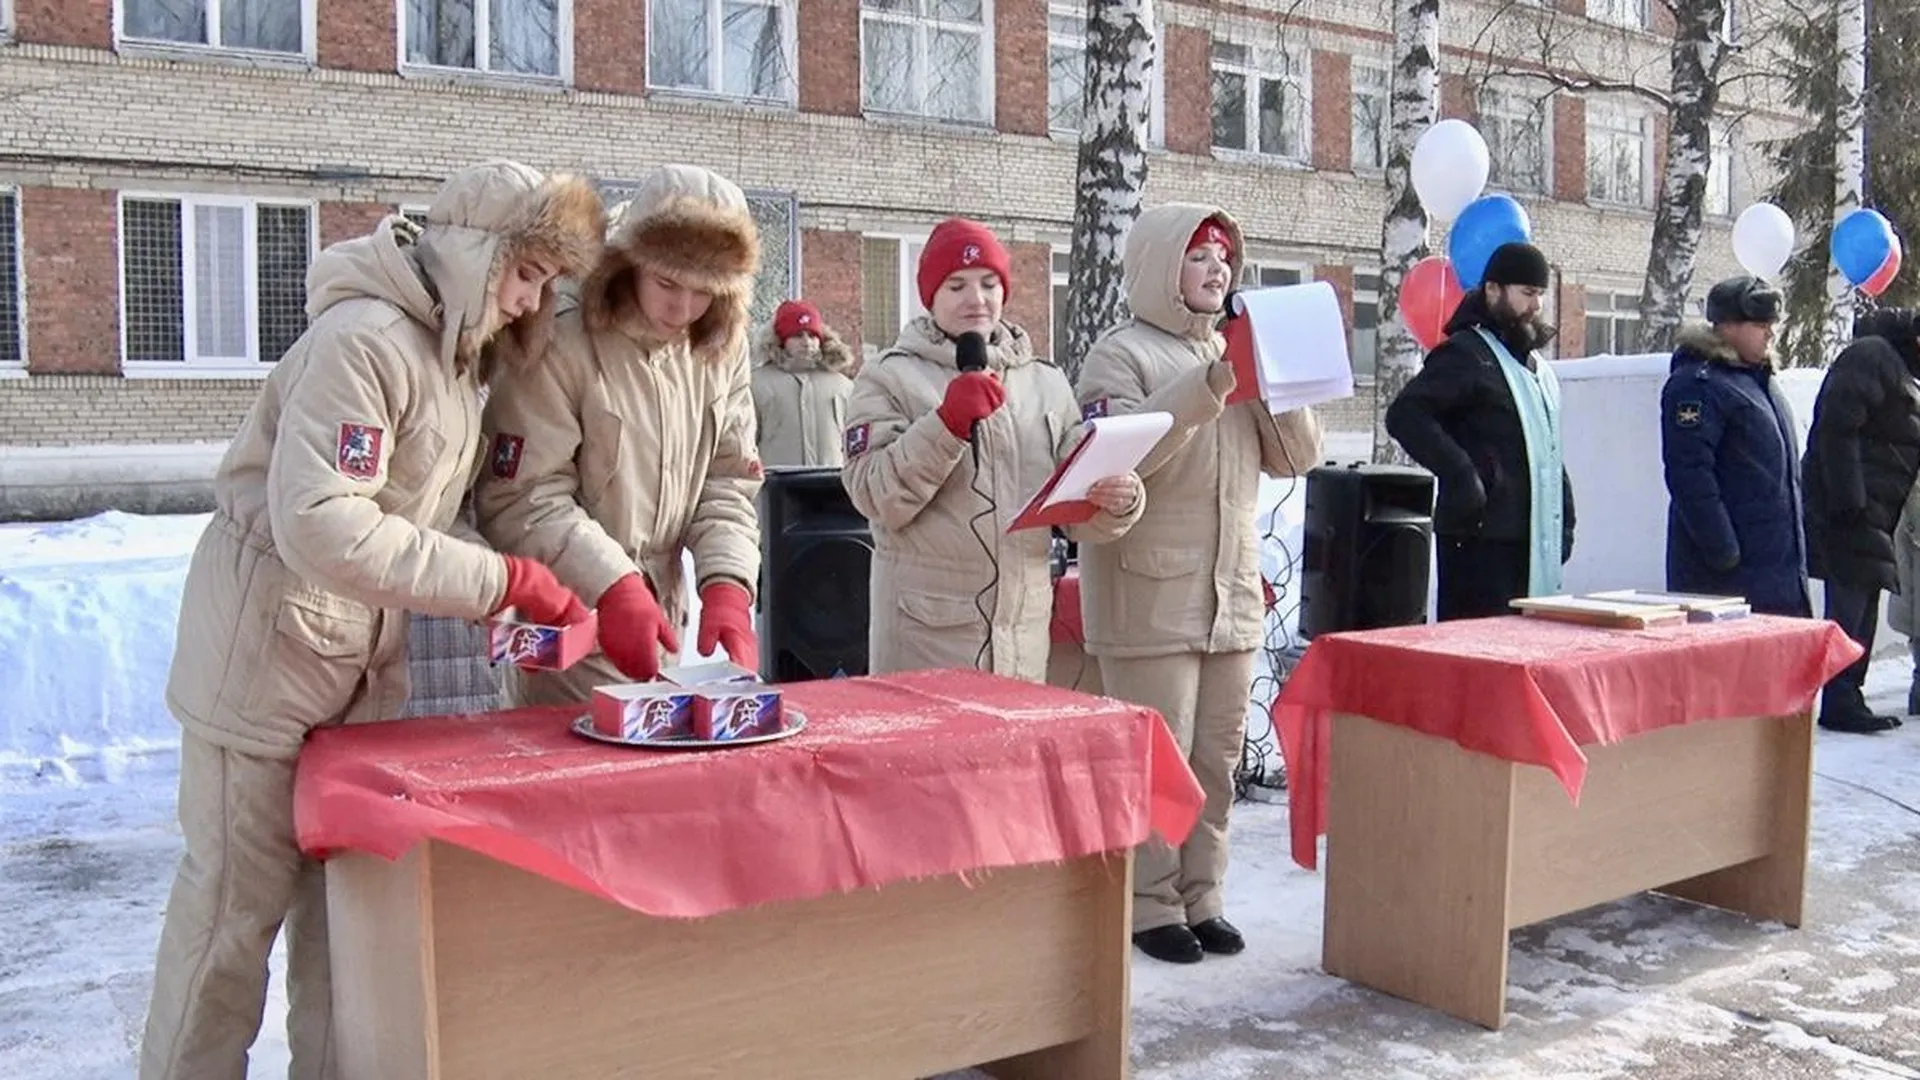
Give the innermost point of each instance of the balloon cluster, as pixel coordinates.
(1450, 168)
(1865, 248)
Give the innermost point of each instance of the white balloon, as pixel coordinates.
(1763, 239)
(1450, 168)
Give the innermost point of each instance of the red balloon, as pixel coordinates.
(1428, 298)
(1884, 276)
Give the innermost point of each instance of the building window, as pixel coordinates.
(1371, 119)
(1515, 126)
(888, 295)
(926, 58)
(6, 20)
(1268, 275)
(1629, 13)
(415, 214)
(12, 293)
(212, 282)
(1062, 262)
(504, 37)
(1613, 324)
(1719, 200)
(276, 26)
(733, 48)
(1617, 152)
(1259, 102)
(1067, 76)
(1364, 346)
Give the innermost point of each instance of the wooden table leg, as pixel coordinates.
(1105, 1052)
(1775, 885)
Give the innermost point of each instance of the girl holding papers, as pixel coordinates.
(949, 433)
(1175, 609)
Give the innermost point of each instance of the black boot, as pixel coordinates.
(1218, 936)
(1173, 944)
(1858, 723)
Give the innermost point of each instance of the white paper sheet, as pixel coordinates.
(1299, 344)
(1116, 444)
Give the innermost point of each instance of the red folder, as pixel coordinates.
(1239, 335)
(1072, 512)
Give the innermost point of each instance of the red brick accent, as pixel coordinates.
(346, 220)
(1341, 278)
(1569, 149)
(830, 77)
(1030, 306)
(830, 269)
(1663, 22)
(86, 23)
(1020, 66)
(1662, 131)
(1459, 99)
(358, 35)
(1189, 90)
(73, 280)
(1332, 111)
(610, 46)
(1572, 339)
(1574, 7)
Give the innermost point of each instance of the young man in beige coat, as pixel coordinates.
(633, 442)
(1174, 610)
(802, 376)
(336, 515)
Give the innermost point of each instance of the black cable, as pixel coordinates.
(993, 557)
(1281, 649)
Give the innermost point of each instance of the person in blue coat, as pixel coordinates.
(1732, 461)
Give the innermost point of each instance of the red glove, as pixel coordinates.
(973, 396)
(633, 629)
(726, 618)
(537, 596)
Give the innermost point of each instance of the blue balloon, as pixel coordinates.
(1480, 230)
(1861, 243)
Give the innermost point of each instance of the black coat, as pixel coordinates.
(1862, 455)
(1457, 418)
(1732, 465)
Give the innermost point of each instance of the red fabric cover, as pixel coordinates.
(916, 775)
(1535, 691)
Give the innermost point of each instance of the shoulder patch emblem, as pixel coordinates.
(357, 456)
(506, 455)
(1094, 408)
(1687, 414)
(858, 438)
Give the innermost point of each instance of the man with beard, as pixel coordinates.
(1483, 415)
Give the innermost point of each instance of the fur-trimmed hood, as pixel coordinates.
(1699, 342)
(690, 224)
(834, 355)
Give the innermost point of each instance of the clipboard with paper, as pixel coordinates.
(1288, 347)
(1113, 445)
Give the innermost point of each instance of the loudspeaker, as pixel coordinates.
(815, 554)
(1368, 548)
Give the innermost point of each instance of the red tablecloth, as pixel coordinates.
(1535, 690)
(912, 776)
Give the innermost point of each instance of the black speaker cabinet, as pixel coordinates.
(816, 552)
(1368, 548)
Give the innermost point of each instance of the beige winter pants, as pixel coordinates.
(241, 876)
(1203, 697)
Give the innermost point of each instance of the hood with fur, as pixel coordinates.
(1156, 247)
(834, 355)
(383, 265)
(690, 224)
(1701, 342)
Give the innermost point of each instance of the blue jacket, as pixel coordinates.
(1732, 467)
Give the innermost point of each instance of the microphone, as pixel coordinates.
(970, 354)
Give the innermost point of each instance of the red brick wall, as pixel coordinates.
(1341, 278)
(1332, 111)
(1189, 90)
(346, 220)
(1569, 149)
(1573, 320)
(358, 35)
(1663, 22)
(1458, 100)
(830, 268)
(87, 23)
(1031, 305)
(830, 77)
(1574, 7)
(73, 286)
(609, 46)
(1662, 130)
(1020, 66)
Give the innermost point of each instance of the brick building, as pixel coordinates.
(168, 168)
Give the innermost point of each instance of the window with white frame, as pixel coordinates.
(928, 58)
(1364, 344)
(213, 281)
(889, 296)
(1719, 199)
(733, 48)
(6, 20)
(1613, 324)
(1629, 13)
(415, 214)
(276, 26)
(1618, 149)
(1265, 275)
(1062, 262)
(1370, 116)
(1259, 101)
(12, 306)
(505, 37)
(1515, 125)
(1067, 75)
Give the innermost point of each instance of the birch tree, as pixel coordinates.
(1112, 174)
(1414, 93)
(1699, 51)
(1849, 155)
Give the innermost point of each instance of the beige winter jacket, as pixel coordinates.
(801, 402)
(1186, 577)
(940, 548)
(619, 452)
(337, 500)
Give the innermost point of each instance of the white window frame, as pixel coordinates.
(1720, 173)
(1627, 115)
(482, 48)
(1632, 14)
(1385, 71)
(789, 93)
(1255, 263)
(1057, 279)
(6, 20)
(12, 369)
(906, 261)
(309, 35)
(1353, 323)
(1156, 83)
(989, 63)
(1502, 101)
(1271, 65)
(1613, 315)
(192, 367)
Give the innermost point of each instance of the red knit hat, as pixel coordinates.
(796, 317)
(958, 244)
(1212, 232)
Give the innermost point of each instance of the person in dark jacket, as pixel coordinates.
(1732, 459)
(1483, 415)
(1863, 453)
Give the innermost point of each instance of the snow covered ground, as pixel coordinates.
(1644, 988)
